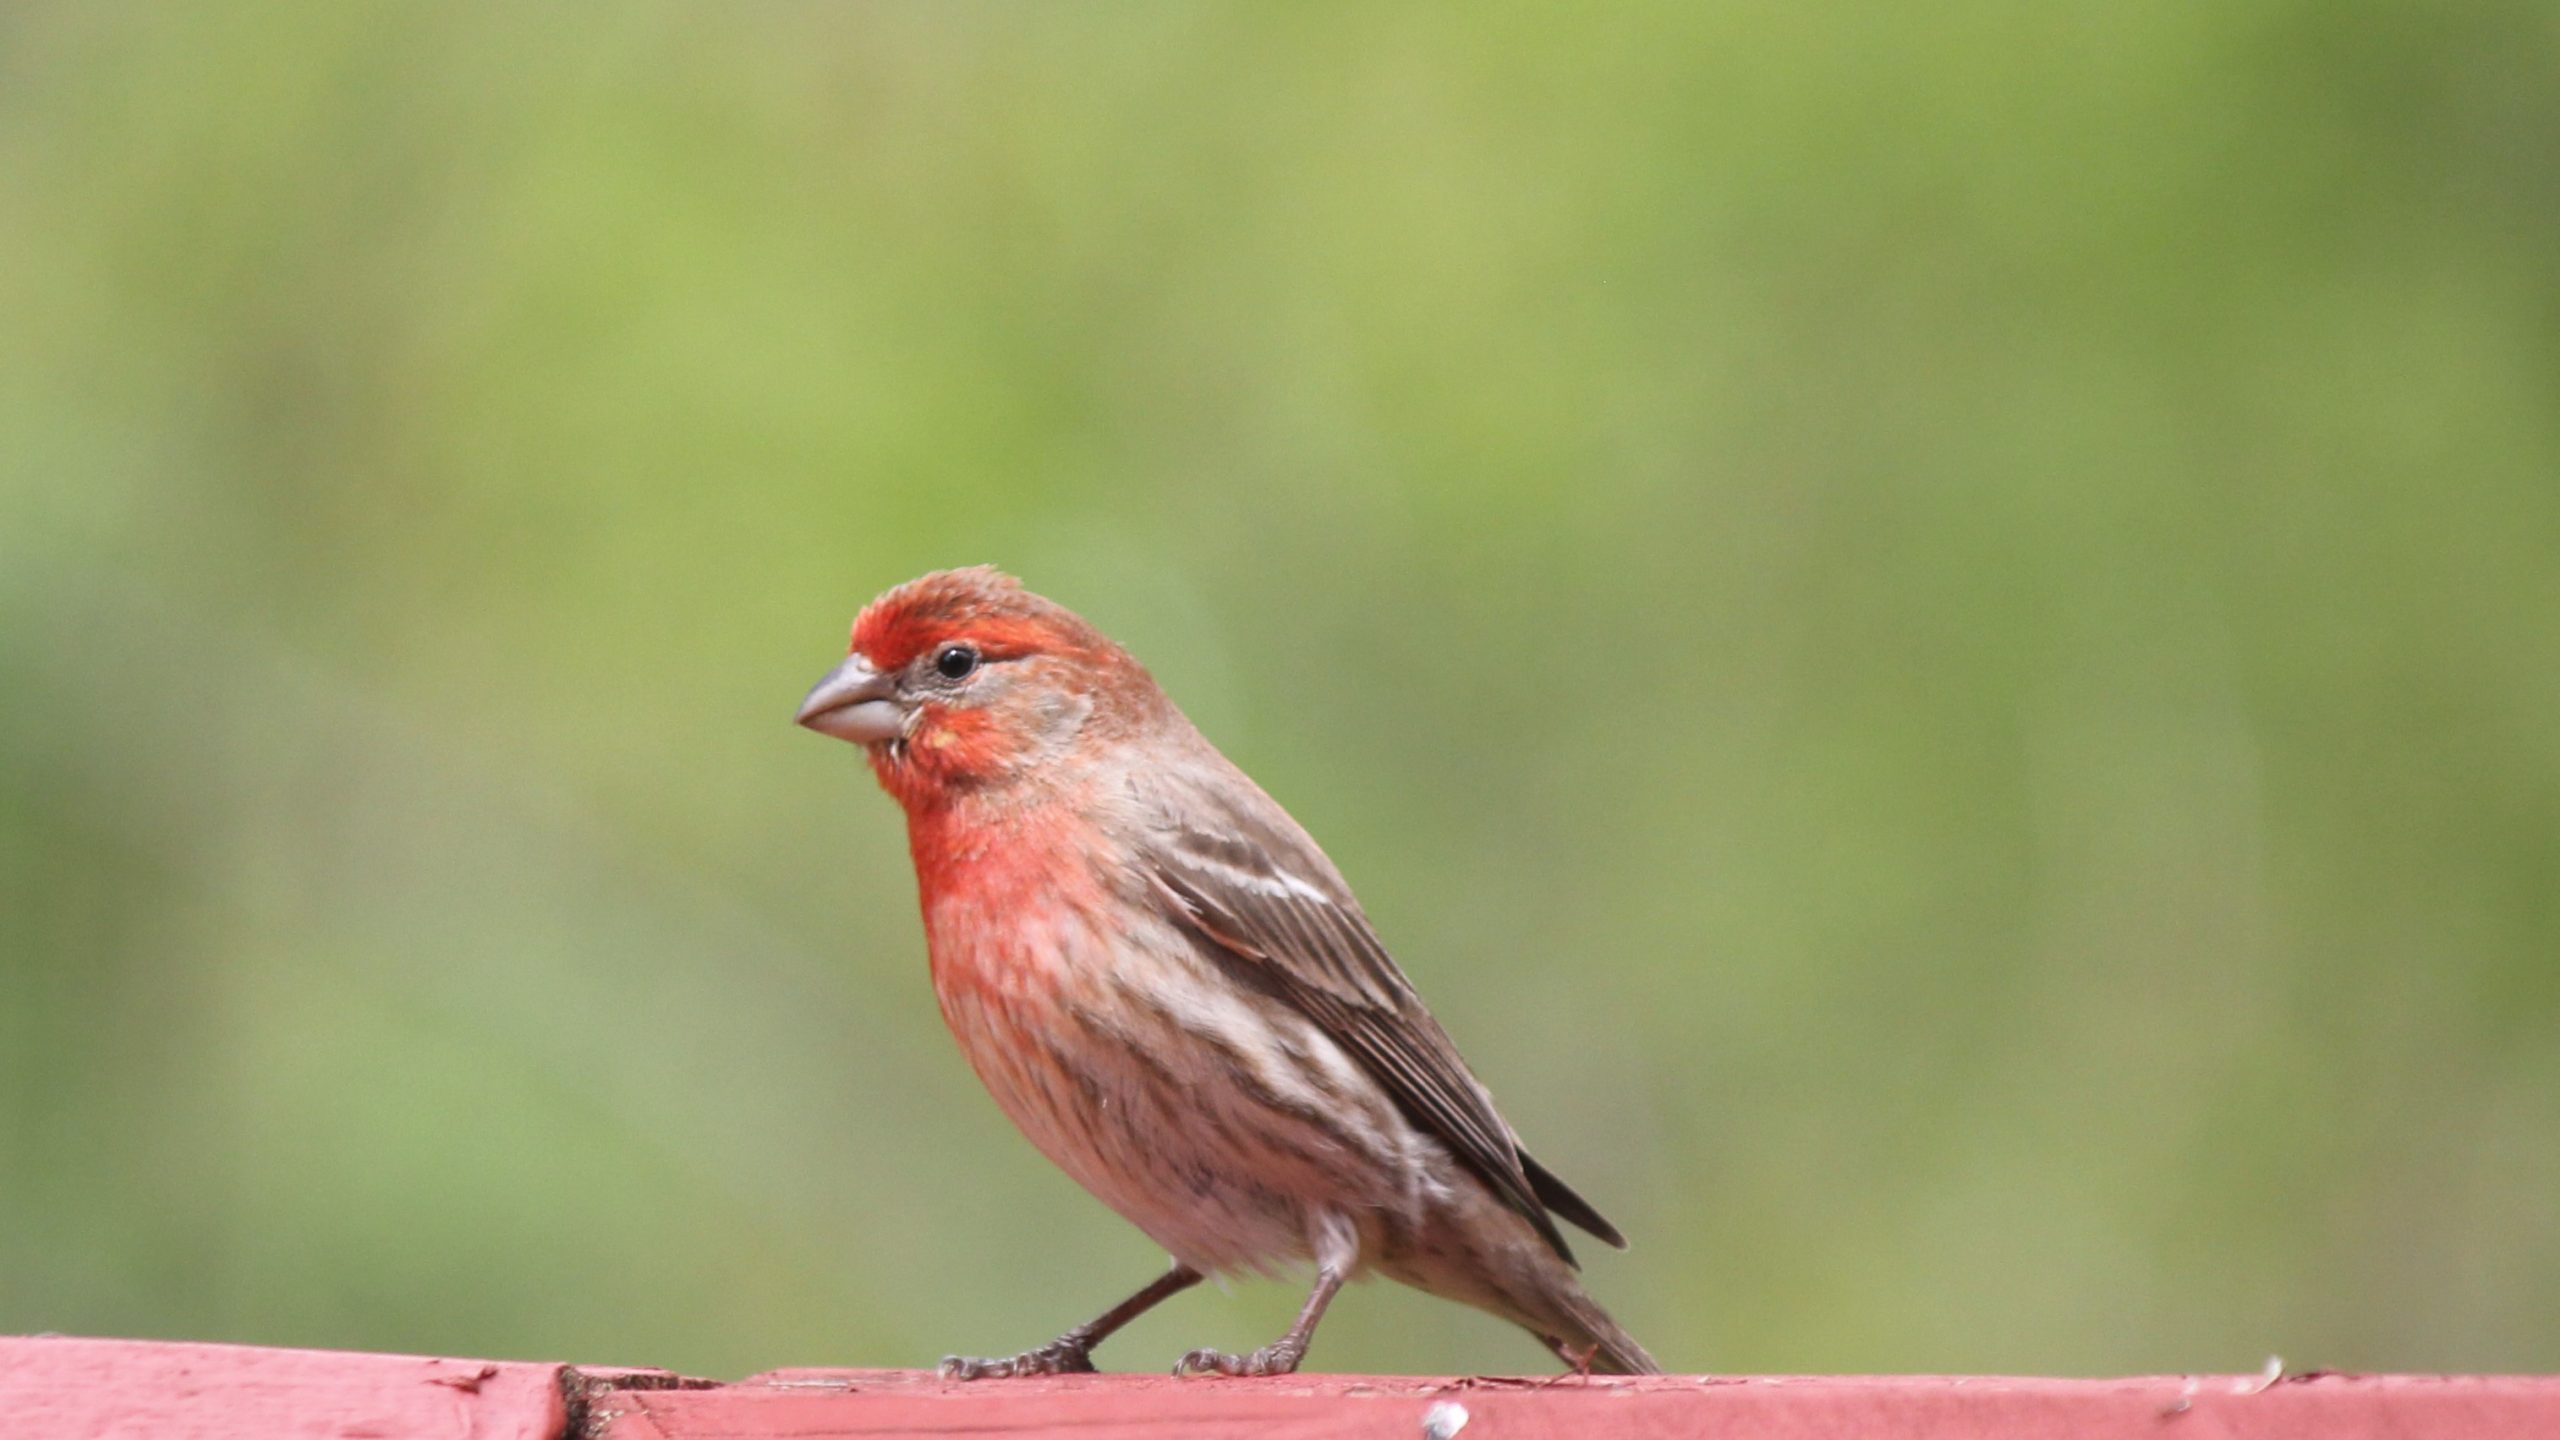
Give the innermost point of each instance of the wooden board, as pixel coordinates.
(812, 1405)
(54, 1388)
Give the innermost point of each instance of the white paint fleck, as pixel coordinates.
(2267, 1376)
(1444, 1419)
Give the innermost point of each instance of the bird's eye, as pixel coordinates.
(955, 662)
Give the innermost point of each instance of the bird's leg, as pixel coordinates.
(1072, 1353)
(1281, 1356)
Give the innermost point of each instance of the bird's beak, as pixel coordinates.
(854, 702)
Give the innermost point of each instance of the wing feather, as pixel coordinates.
(1242, 876)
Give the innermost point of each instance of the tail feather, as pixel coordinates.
(1479, 1251)
(1603, 1346)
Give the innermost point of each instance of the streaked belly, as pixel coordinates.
(1212, 1118)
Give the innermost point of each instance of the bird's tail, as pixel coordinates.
(1481, 1252)
(1593, 1341)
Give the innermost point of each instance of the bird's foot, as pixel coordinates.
(1280, 1357)
(1063, 1356)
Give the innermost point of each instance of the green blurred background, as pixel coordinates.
(1936, 631)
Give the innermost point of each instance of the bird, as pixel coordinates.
(1174, 995)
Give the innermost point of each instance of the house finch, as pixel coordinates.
(1171, 991)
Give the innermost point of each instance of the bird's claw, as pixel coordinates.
(1280, 1358)
(1058, 1357)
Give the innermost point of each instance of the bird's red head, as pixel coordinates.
(962, 680)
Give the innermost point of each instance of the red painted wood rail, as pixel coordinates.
(54, 1388)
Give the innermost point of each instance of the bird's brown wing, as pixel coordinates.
(1243, 878)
